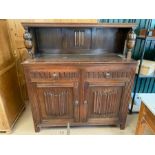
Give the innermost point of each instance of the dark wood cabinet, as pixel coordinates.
(71, 79)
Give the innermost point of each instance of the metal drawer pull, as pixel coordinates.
(55, 75)
(107, 74)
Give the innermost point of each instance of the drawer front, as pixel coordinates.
(108, 72)
(44, 75)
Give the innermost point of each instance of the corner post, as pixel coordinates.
(131, 38)
(28, 42)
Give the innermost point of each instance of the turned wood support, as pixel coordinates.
(130, 43)
(28, 42)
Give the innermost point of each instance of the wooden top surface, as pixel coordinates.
(77, 59)
(149, 101)
(51, 24)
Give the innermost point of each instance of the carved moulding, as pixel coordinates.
(28, 42)
(131, 38)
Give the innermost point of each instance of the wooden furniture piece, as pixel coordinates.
(16, 31)
(146, 114)
(76, 76)
(11, 103)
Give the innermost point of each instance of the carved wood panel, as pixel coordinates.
(77, 38)
(102, 100)
(58, 100)
(107, 74)
(39, 75)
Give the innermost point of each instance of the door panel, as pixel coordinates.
(102, 99)
(58, 100)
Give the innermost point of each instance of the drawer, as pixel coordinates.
(53, 75)
(108, 72)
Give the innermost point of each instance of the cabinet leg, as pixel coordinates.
(122, 126)
(37, 129)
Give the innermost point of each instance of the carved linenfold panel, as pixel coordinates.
(105, 101)
(41, 75)
(57, 101)
(108, 74)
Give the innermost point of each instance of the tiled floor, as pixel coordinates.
(25, 126)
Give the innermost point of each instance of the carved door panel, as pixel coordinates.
(77, 38)
(102, 99)
(58, 101)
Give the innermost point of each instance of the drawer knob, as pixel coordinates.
(55, 75)
(107, 74)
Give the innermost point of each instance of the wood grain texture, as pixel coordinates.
(102, 97)
(72, 79)
(11, 103)
(19, 51)
(72, 24)
(59, 20)
(81, 40)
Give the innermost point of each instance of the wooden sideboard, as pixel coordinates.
(76, 74)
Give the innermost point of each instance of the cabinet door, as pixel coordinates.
(102, 101)
(58, 102)
(76, 38)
